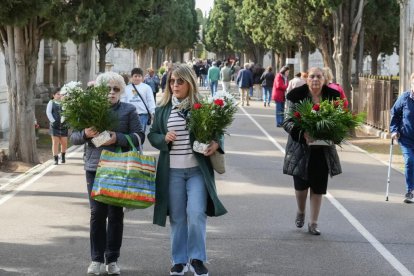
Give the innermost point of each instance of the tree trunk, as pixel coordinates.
(304, 46)
(21, 50)
(102, 52)
(360, 55)
(84, 62)
(374, 61)
(347, 25)
(143, 58)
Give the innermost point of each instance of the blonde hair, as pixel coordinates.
(328, 75)
(105, 78)
(186, 73)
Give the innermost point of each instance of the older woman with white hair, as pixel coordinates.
(106, 222)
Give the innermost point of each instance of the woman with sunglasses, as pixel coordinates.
(185, 186)
(309, 165)
(107, 222)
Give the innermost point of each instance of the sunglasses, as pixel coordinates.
(114, 88)
(177, 81)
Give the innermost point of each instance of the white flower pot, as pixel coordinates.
(321, 143)
(199, 147)
(101, 139)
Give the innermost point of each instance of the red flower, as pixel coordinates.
(219, 102)
(337, 103)
(297, 115)
(316, 107)
(197, 106)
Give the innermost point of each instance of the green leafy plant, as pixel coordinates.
(210, 117)
(88, 108)
(328, 120)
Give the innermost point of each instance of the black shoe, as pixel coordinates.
(198, 268)
(179, 269)
(300, 220)
(56, 159)
(409, 198)
(313, 229)
(63, 157)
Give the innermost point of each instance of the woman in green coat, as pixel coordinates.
(185, 186)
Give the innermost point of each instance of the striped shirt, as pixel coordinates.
(181, 153)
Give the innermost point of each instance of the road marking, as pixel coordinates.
(394, 262)
(35, 173)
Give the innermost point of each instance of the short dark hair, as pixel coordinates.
(284, 69)
(298, 74)
(137, 71)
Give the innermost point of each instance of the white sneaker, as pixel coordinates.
(113, 269)
(95, 268)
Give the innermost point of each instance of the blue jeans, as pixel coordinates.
(187, 207)
(213, 87)
(280, 113)
(143, 119)
(408, 154)
(105, 239)
(267, 94)
(251, 91)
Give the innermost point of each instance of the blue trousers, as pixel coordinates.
(267, 94)
(280, 113)
(187, 207)
(213, 87)
(408, 154)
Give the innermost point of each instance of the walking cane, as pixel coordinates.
(389, 169)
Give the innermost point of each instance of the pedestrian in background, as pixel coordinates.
(168, 68)
(267, 79)
(185, 185)
(153, 81)
(107, 221)
(58, 129)
(213, 76)
(278, 94)
(329, 82)
(309, 165)
(141, 96)
(245, 81)
(225, 76)
(257, 74)
(298, 80)
(402, 128)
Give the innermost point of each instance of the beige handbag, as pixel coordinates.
(218, 162)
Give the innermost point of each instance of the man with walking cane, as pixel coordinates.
(402, 128)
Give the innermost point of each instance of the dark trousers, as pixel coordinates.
(106, 238)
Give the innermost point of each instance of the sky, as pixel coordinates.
(204, 5)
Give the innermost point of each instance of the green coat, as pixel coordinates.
(156, 137)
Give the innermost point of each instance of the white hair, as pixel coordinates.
(105, 78)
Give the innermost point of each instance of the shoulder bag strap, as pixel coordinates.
(133, 85)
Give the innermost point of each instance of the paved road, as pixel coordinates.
(45, 218)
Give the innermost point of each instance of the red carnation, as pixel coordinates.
(197, 106)
(337, 103)
(316, 107)
(297, 115)
(219, 102)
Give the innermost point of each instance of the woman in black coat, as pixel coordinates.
(309, 165)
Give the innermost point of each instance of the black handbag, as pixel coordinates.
(149, 114)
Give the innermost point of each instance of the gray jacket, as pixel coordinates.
(128, 123)
(297, 151)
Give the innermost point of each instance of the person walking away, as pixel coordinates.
(168, 68)
(58, 129)
(267, 80)
(278, 94)
(225, 76)
(153, 81)
(213, 76)
(257, 74)
(245, 81)
(107, 221)
(309, 165)
(141, 96)
(329, 82)
(402, 129)
(203, 72)
(185, 186)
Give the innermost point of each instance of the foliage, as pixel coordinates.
(88, 108)
(328, 120)
(209, 118)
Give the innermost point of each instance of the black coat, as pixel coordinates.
(297, 151)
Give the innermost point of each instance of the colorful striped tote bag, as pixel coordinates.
(125, 179)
